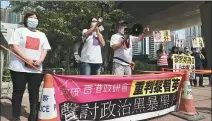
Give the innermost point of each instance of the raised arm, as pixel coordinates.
(141, 37)
(101, 39)
(90, 31)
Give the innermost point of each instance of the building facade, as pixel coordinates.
(137, 48)
(142, 47)
(8, 16)
(184, 36)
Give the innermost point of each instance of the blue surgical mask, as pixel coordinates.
(32, 23)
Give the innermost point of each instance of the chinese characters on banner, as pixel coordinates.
(184, 62)
(154, 87)
(198, 42)
(116, 109)
(115, 99)
(48, 104)
(179, 43)
(162, 36)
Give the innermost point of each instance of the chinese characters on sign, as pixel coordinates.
(47, 107)
(70, 93)
(154, 87)
(184, 62)
(102, 88)
(68, 111)
(94, 99)
(179, 43)
(162, 36)
(198, 42)
(67, 92)
(110, 109)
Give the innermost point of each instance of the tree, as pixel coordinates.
(63, 22)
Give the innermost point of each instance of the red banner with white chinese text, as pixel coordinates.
(115, 97)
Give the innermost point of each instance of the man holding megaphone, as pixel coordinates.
(91, 57)
(121, 43)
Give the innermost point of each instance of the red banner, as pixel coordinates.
(95, 92)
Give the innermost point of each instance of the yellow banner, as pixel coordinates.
(154, 86)
(182, 59)
(184, 62)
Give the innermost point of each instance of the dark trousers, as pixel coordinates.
(200, 80)
(19, 81)
(89, 69)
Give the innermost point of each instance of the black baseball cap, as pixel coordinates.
(121, 22)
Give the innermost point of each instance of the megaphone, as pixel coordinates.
(135, 30)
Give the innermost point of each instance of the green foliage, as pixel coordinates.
(63, 22)
(144, 66)
(6, 73)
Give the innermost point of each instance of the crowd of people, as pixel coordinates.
(32, 45)
(121, 43)
(166, 61)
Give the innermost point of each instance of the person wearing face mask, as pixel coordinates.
(205, 66)
(187, 52)
(32, 45)
(174, 50)
(122, 46)
(91, 57)
(161, 58)
(198, 66)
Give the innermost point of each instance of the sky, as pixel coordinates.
(181, 33)
(4, 4)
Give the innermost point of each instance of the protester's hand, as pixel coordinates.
(97, 30)
(202, 56)
(126, 36)
(100, 20)
(30, 61)
(38, 62)
(132, 65)
(172, 56)
(146, 29)
(124, 41)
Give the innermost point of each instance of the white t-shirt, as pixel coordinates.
(91, 51)
(31, 44)
(122, 53)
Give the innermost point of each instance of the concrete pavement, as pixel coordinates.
(202, 98)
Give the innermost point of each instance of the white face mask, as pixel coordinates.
(32, 23)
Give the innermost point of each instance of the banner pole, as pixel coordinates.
(21, 58)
